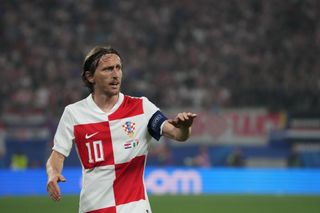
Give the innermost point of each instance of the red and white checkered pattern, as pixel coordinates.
(112, 175)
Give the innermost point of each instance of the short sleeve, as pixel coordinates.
(154, 117)
(149, 108)
(64, 134)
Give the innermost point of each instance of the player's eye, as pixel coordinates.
(108, 68)
(118, 67)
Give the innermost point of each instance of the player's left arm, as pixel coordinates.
(179, 128)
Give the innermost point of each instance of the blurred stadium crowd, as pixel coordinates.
(197, 54)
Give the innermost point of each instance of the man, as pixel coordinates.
(112, 133)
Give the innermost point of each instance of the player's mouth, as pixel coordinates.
(114, 84)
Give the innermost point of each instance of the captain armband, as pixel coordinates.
(154, 125)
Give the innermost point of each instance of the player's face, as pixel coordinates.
(108, 75)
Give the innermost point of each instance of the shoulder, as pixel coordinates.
(133, 106)
(142, 101)
(132, 99)
(130, 106)
(76, 107)
(131, 102)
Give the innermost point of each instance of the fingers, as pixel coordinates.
(184, 116)
(53, 188)
(54, 191)
(192, 115)
(61, 179)
(183, 119)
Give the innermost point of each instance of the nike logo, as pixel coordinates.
(90, 136)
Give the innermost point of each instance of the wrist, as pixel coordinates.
(184, 133)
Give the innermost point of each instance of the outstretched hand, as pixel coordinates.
(53, 188)
(183, 120)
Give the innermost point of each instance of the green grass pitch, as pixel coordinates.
(179, 204)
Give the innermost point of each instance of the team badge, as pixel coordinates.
(129, 128)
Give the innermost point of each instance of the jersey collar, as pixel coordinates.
(94, 106)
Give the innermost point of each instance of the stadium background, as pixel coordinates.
(250, 69)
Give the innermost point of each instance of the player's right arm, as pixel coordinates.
(54, 168)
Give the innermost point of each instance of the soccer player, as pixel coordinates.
(111, 132)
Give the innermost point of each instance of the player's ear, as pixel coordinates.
(89, 76)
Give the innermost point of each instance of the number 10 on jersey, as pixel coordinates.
(95, 151)
(94, 144)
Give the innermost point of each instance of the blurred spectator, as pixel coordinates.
(161, 155)
(201, 54)
(213, 53)
(202, 159)
(35, 164)
(294, 158)
(236, 158)
(19, 161)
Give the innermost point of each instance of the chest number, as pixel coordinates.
(97, 155)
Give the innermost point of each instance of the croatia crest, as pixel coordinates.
(129, 128)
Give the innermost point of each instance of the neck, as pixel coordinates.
(105, 102)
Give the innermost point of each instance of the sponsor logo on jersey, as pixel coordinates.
(129, 128)
(91, 135)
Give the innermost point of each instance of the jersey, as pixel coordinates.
(112, 148)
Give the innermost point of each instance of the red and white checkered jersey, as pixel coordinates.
(112, 148)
